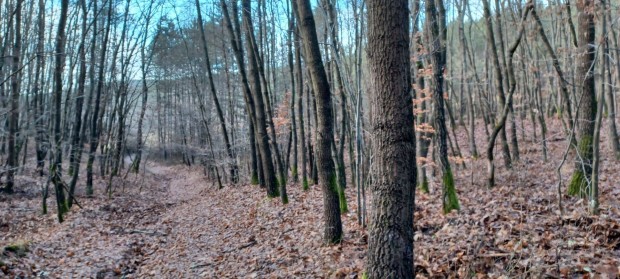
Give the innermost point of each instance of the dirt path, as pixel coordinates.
(233, 233)
(180, 226)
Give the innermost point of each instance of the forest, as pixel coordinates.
(309, 139)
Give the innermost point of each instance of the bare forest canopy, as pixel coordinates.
(403, 120)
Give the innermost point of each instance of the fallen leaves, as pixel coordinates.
(180, 226)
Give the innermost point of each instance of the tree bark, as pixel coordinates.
(259, 107)
(55, 175)
(506, 107)
(12, 159)
(438, 54)
(94, 133)
(76, 142)
(326, 170)
(234, 169)
(499, 78)
(587, 103)
(390, 241)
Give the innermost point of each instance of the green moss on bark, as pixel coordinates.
(285, 199)
(305, 184)
(254, 179)
(282, 187)
(281, 181)
(276, 192)
(333, 184)
(578, 183)
(579, 180)
(450, 200)
(294, 172)
(424, 186)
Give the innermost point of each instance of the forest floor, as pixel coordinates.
(170, 222)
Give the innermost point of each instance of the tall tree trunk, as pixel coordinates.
(558, 69)
(144, 69)
(438, 53)
(294, 93)
(586, 110)
(300, 111)
(259, 107)
(12, 159)
(55, 174)
(611, 108)
(390, 241)
(94, 133)
(506, 106)
(76, 142)
(234, 169)
(499, 78)
(38, 115)
(461, 17)
(255, 139)
(326, 170)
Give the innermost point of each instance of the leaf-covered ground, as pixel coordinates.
(170, 222)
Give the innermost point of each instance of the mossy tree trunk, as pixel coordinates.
(258, 132)
(587, 102)
(438, 54)
(326, 171)
(262, 135)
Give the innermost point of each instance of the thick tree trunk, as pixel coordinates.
(390, 241)
(586, 110)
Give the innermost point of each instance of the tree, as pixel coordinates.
(390, 241)
(234, 170)
(94, 132)
(499, 82)
(39, 119)
(438, 54)
(145, 62)
(55, 175)
(325, 165)
(586, 105)
(259, 105)
(512, 84)
(14, 109)
(76, 142)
